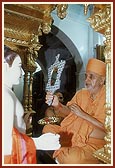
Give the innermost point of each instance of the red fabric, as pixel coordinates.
(23, 150)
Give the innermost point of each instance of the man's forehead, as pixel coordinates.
(92, 73)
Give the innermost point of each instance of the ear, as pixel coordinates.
(102, 80)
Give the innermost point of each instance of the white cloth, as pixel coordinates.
(48, 141)
(57, 161)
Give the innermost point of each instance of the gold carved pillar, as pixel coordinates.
(107, 54)
(28, 54)
(101, 22)
(27, 99)
(29, 66)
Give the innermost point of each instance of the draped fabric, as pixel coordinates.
(23, 150)
(77, 145)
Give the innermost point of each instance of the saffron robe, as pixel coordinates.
(23, 149)
(77, 146)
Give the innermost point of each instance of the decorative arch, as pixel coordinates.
(74, 51)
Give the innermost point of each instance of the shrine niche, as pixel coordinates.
(22, 36)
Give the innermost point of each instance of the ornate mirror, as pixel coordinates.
(54, 74)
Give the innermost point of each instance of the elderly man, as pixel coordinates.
(82, 130)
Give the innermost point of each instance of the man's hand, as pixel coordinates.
(77, 110)
(52, 99)
(80, 113)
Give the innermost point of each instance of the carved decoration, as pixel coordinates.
(85, 8)
(62, 10)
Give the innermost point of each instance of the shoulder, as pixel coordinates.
(81, 94)
(9, 97)
(82, 91)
